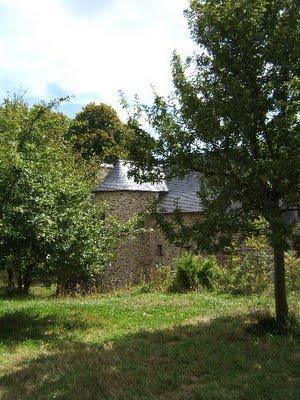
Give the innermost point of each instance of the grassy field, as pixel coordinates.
(142, 346)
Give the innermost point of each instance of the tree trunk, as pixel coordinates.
(26, 282)
(20, 282)
(59, 288)
(281, 306)
(10, 276)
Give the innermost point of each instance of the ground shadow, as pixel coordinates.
(14, 294)
(213, 360)
(22, 325)
(37, 291)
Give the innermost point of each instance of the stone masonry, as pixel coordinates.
(135, 256)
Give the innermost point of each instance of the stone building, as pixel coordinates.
(124, 198)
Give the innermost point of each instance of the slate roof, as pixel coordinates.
(178, 192)
(118, 179)
(182, 194)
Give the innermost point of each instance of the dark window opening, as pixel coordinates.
(159, 250)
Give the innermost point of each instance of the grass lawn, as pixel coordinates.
(142, 346)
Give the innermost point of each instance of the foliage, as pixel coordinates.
(234, 118)
(97, 131)
(49, 227)
(160, 279)
(194, 272)
(244, 275)
(247, 269)
(292, 263)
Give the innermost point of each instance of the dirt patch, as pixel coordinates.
(199, 319)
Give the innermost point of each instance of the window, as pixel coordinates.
(159, 250)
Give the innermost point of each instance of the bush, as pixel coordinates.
(159, 279)
(195, 272)
(251, 272)
(247, 272)
(292, 264)
(245, 275)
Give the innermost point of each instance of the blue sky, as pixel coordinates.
(90, 49)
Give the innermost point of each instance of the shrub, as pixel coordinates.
(247, 270)
(160, 279)
(245, 274)
(251, 271)
(195, 272)
(292, 263)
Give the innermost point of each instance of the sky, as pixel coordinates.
(90, 49)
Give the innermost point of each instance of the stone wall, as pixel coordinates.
(135, 256)
(166, 253)
(125, 204)
(132, 256)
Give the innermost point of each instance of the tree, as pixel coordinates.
(234, 117)
(97, 131)
(50, 228)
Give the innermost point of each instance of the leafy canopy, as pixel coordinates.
(50, 228)
(98, 131)
(233, 116)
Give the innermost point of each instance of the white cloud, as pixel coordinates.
(91, 52)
